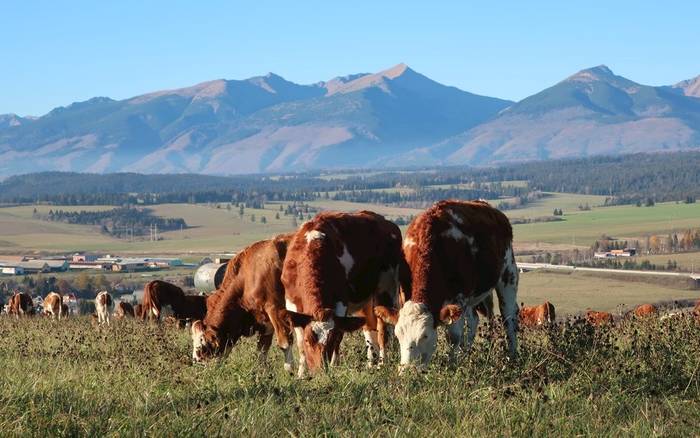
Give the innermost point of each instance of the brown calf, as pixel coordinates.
(599, 318)
(53, 305)
(158, 293)
(645, 310)
(537, 315)
(250, 300)
(124, 310)
(21, 304)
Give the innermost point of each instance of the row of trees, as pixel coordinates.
(118, 222)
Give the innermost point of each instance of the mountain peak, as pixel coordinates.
(690, 87)
(395, 71)
(597, 73)
(362, 81)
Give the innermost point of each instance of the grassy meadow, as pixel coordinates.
(218, 229)
(71, 378)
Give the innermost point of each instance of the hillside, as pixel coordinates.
(593, 112)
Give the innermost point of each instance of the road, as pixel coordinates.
(535, 266)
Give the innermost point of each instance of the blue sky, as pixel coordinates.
(54, 53)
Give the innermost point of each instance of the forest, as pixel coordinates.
(627, 179)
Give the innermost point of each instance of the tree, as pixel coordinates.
(241, 211)
(277, 216)
(252, 218)
(650, 202)
(263, 220)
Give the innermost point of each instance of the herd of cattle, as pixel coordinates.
(344, 271)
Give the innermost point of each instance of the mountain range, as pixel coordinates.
(396, 117)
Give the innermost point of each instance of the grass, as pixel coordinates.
(69, 378)
(574, 292)
(582, 228)
(220, 230)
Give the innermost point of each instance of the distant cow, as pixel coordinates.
(123, 310)
(250, 300)
(537, 315)
(599, 318)
(158, 294)
(21, 304)
(457, 252)
(339, 264)
(103, 305)
(53, 305)
(645, 310)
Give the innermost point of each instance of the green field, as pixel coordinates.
(69, 378)
(575, 292)
(218, 229)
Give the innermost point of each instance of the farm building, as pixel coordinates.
(11, 270)
(84, 258)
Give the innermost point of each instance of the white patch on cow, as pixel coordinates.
(372, 344)
(408, 242)
(197, 341)
(415, 330)
(455, 217)
(290, 306)
(454, 233)
(322, 329)
(346, 260)
(314, 235)
(341, 309)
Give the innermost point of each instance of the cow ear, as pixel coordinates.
(348, 323)
(389, 316)
(450, 313)
(298, 319)
(197, 327)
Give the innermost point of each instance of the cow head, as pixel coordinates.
(416, 332)
(322, 333)
(205, 342)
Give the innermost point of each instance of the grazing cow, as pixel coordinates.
(21, 304)
(339, 264)
(158, 294)
(250, 300)
(103, 304)
(645, 310)
(537, 315)
(457, 252)
(53, 305)
(599, 318)
(124, 310)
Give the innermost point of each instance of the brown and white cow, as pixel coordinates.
(599, 318)
(21, 304)
(645, 310)
(457, 252)
(250, 300)
(534, 316)
(103, 305)
(158, 294)
(53, 305)
(123, 310)
(339, 264)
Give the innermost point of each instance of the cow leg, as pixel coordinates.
(372, 346)
(282, 335)
(299, 337)
(507, 291)
(455, 334)
(381, 340)
(472, 326)
(264, 342)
